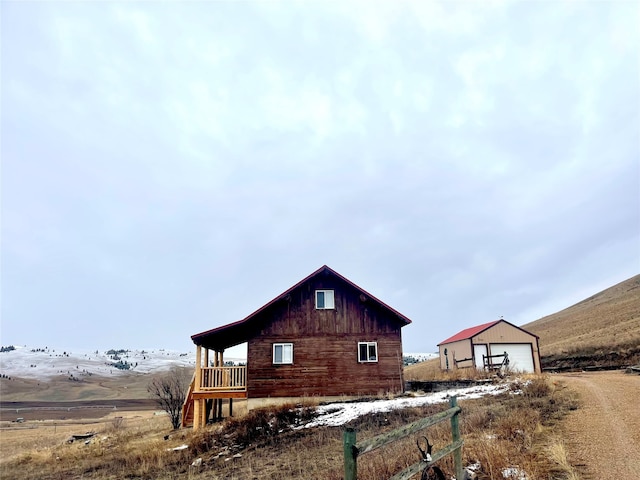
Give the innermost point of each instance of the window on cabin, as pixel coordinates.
(282, 353)
(325, 300)
(367, 352)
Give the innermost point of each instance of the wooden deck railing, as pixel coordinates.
(223, 379)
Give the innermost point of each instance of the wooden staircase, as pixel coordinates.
(187, 406)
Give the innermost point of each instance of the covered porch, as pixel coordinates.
(213, 381)
(210, 386)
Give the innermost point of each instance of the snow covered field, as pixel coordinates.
(45, 362)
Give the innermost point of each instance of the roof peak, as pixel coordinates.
(200, 337)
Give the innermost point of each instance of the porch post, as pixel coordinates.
(197, 415)
(198, 368)
(197, 404)
(224, 381)
(207, 380)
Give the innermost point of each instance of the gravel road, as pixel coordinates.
(603, 435)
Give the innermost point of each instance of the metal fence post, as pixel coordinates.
(455, 434)
(350, 459)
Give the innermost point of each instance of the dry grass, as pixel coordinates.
(557, 452)
(518, 431)
(42, 451)
(499, 432)
(430, 370)
(426, 370)
(43, 435)
(607, 319)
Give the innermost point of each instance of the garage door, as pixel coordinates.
(520, 355)
(478, 352)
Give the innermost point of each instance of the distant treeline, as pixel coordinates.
(117, 352)
(410, 360)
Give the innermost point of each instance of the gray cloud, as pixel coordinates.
(168, 168)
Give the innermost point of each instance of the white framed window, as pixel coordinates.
(325, 300)
(282, 353)
(367, 352)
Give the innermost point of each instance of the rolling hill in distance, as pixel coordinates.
(602, 330)
(53, 374)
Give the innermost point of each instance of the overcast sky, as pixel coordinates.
(171, 167)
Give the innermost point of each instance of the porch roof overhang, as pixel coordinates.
(242, 331)
(226, 336)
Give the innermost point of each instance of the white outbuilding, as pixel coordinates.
(491, 346)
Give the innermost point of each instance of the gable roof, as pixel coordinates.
(473, 331)
(241, 331)
(469, 332)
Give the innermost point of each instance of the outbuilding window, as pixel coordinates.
(282, 353)
(325, 300)
(367, 352)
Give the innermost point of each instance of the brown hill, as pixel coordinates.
(595, 330)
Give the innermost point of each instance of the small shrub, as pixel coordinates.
(557, 453)
(117, 423)
(537, 387)
(169, 392)
(259, 427)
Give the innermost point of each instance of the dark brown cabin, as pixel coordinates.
(323, 337)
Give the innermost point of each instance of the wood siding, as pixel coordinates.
(325, 346)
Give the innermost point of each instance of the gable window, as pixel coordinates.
(324, 300)
(367, 352)
(282, 353)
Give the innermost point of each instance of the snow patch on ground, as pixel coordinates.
(514, 473)
(336, 414)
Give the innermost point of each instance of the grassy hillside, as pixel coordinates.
(601, 330)
(130, 386)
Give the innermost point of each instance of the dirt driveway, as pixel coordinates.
(603, 435)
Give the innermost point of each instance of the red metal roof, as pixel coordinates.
(469, 332)
(241, 331)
